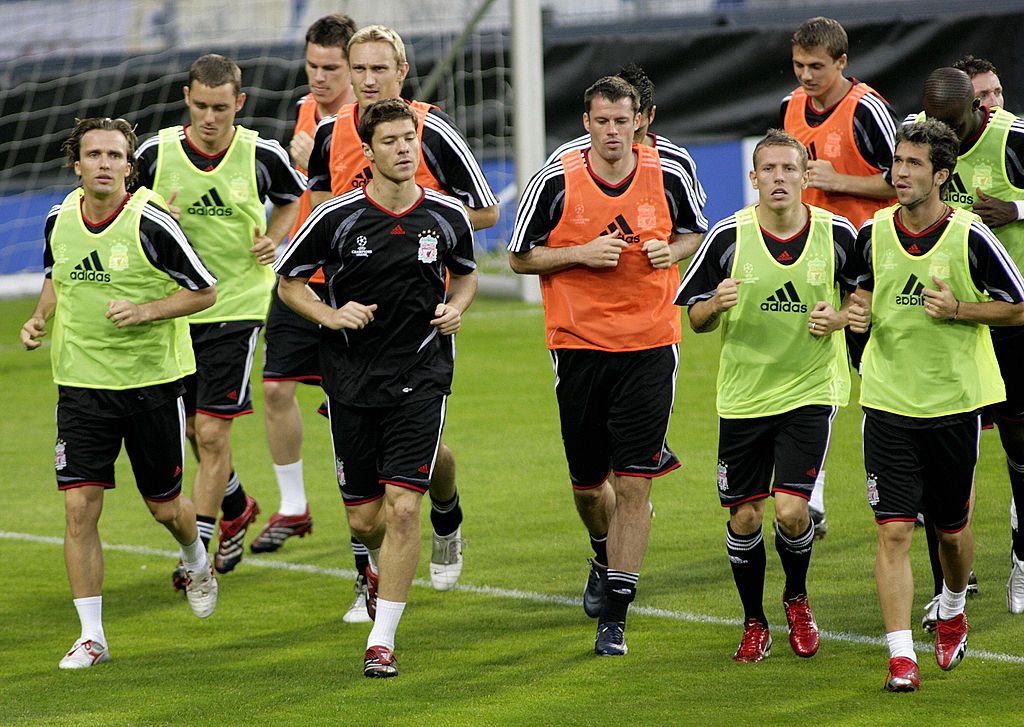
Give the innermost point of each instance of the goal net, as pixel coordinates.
(77, 58)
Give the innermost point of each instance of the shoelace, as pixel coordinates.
(749, 645)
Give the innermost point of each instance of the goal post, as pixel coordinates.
(134, 66)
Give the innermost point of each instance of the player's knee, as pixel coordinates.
(954, 540)
(792, 517)
(81, 514)
(590, 497)
(404, 509)
(442, 479)
(363, 520)
(213, 436)
(165, 512)
(895, 537)
(746, 518)
(278, 395)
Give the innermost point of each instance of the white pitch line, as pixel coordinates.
(517, 595)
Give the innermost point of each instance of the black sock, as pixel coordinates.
(233, 503)
(206, 526)
(620, 590)
(795, 554)
(933, 553)
(600, 545)
(1017, 488)
(361, 555)
(747, 557)
(446, 516)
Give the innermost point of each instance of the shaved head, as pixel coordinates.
(948, 94)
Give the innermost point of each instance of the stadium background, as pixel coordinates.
(719, 68)
(511, 645)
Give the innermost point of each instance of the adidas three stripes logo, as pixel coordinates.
(210, 205)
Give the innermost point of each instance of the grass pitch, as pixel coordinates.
(511, 646)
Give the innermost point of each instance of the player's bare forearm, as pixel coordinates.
(47, 302)
(873, 187)
(462, 290)
(991, 313)
(282, 219)
(684, 244)
(483, 218)
(35, 327)
(703, 316)
(542, 260)
(601, 252)
(298, 296)
(182, 302)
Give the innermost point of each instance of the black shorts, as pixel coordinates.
(221, 385)
(614, 409)
(385, 446)
(912, 469)
(291, 348)
(792, 444)
(90, 433)
(1009, 346)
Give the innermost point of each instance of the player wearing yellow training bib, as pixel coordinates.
(770, 278)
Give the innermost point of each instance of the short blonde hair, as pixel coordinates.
(380, 34)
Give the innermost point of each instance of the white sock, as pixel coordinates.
(901, 643)
(90, 614)
(194, 556)
(293, 491)
(818, 493)
(951, 603)
(389, 613)
(374, 554)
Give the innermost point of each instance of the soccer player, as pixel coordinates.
(291, 353)
(936, 278)
(988, 89)
(220, 176)
(604, 228)
(593, 593)
(378, 66)
(770, 276)
(848, 130)
(120, 274)
(989, 180)
(388, 348)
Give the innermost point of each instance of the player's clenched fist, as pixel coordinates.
(32, 331)
(858, 314)
(352, 316)
(447, 320)
(603, 251)
(658, 253)
(727, 294)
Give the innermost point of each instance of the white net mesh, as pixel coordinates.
(77, 58)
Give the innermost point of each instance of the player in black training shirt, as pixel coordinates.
(387, 348)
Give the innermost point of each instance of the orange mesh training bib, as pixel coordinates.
(349, 166)
(833, 141)
(628, 307)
